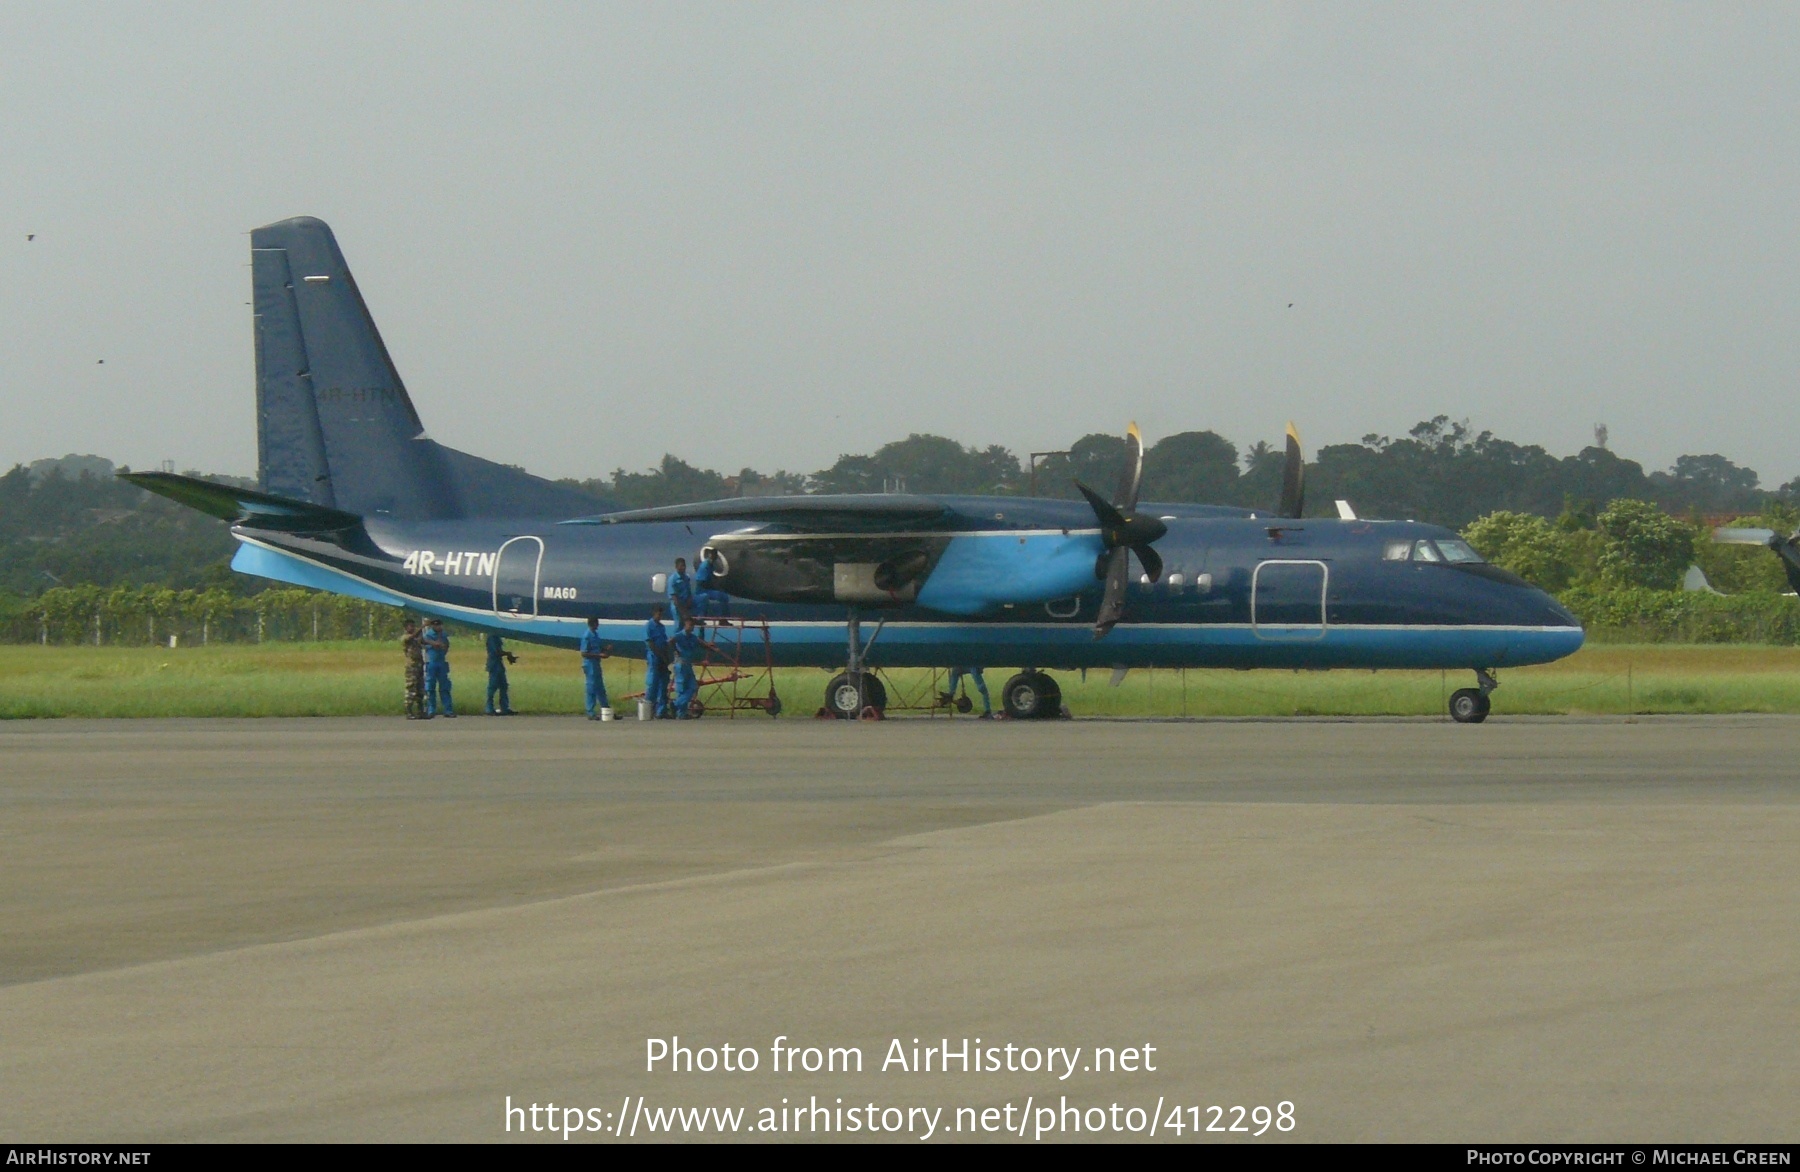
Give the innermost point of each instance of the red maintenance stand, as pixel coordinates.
(738, 673)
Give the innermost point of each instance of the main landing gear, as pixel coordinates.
(1031, 695)
(1470, 705)
(852, 695)
(856, 694)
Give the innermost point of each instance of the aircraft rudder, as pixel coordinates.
(335, 425)
(336, 422)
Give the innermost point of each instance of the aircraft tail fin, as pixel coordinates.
(335, 426)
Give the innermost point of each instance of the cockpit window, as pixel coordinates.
(1456, 551)
(1452, 550)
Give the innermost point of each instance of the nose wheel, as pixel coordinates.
(1471, 705)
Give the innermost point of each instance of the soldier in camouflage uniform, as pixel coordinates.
(413, 645)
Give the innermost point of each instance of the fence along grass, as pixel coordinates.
(148, 615)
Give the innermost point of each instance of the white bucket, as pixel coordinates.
(606, 714)
(643, 710)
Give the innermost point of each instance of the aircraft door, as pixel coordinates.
(1287, 599)
(518, 574)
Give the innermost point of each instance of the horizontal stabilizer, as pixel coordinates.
(244, 506)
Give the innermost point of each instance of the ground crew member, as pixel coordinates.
(689, 648)
(497, 659)
(681, 593)
(592, 652)
(656, 665)
(414, 649)
(974, 673)
(706, 589)
(437, 668)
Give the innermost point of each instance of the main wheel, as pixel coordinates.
(1468, 706)
(844, 696)
(849, 693)
(1031, 695)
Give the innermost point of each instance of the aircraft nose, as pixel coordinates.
(1558, 615)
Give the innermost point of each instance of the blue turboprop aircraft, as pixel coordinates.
(356, 500)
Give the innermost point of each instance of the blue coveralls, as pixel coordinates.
(681, 596)
(688, 650)
(707, 594)
(656, 667)
(596, 678)
(437, 672)
(974, 673)
(496, 669)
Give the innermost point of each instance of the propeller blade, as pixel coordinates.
(1112, 602)
(1140, 530)
(1152, 561)
(1744, 536)
(1122, 533)
(1293, 477)
(1133, 474)
(1112, 522)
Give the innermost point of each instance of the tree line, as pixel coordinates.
(63, 528)
(1440, 471)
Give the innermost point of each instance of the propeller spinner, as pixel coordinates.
(1123, 532)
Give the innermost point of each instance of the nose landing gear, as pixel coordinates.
(1470, 705)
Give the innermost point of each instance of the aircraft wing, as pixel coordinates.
(889, 549)
(863, 513)
(875, 549)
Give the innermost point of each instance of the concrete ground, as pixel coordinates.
(368, 929)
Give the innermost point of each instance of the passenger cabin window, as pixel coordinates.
(1397, 551)
(1424, 551)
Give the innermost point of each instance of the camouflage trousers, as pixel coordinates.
(415, 689)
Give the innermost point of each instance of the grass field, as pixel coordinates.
(353, 679)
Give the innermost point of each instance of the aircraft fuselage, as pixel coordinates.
(1237, 592)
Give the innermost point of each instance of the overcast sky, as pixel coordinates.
(771, 234)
